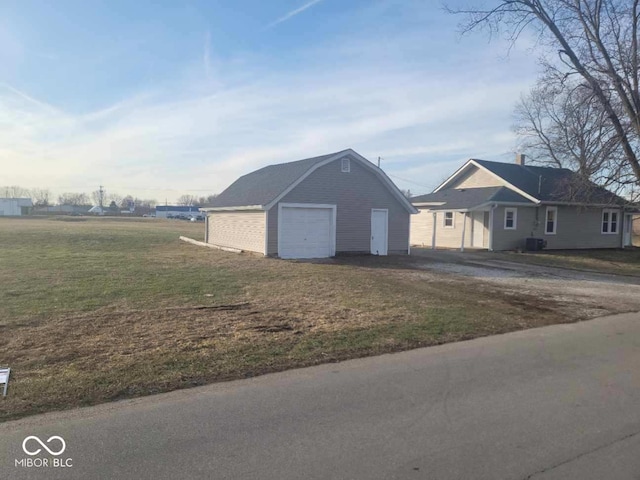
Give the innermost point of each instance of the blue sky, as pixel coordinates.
(161, 98)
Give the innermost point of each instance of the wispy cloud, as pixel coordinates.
(196, 135)
(293, 13)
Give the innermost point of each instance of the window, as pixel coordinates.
(510, 218)
(551, 221)
(610, 221)
(448, 219)
(346, 165)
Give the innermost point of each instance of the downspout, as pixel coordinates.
(493, 207)
(433, 233)
(464, 229)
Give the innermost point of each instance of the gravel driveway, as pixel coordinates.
(593, 294)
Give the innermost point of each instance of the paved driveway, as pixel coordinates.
(558, 402)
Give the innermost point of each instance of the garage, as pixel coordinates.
(317, 207)
(306, 231)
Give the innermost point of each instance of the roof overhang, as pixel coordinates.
(583, 204)
(231, 209)
(428, 204)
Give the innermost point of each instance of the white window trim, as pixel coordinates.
(345, 165)
(555, 220)
(515, 218)
(444, 220)
(609, 222)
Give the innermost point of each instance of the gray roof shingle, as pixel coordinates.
(470, 197)
(264, 185)
(549, 184)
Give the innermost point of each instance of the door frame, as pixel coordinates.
(386, 232)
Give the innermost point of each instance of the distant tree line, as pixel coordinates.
(195, 201)
(42, 197)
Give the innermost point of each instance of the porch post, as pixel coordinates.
(433, 234)
(491, 227)
(464, 229)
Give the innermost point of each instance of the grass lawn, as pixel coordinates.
(97, 309)
(618, 262)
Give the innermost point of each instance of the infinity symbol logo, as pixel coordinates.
(55, 437)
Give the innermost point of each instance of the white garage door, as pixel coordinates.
(305, 232)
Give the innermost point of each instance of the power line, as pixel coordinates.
(410, 181)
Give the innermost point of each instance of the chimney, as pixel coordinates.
(520, 159)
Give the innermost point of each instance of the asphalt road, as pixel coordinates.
(559, 402)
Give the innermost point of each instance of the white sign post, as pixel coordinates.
(4, 378)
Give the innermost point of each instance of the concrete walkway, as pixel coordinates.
(557, 402)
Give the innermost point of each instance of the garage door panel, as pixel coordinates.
(305, 232)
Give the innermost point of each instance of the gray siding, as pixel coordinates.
(242, 229)
(354, 194)
(577, 227)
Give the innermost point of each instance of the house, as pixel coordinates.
(172, 211)
(497, 206)
(312, 208)
(15, 206)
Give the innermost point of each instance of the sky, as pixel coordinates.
(162, 98)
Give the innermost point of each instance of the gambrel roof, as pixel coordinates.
(263, 188)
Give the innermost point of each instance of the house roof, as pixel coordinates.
(468, 198)
(22, 202)
(263, 187)
(543, 184)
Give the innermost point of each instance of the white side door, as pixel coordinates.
(477, 237)
(628, 230)
(379, 231)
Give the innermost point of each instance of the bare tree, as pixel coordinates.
(187, 200)
(99, 196)
(40, 197)
(14, 191)
(70, 198)
(204, 201)
(596, 40)
(562, 124)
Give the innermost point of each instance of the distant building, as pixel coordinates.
(62, 210)
(169, 211)
(15, 206)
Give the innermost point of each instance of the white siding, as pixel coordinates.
(476, 178)
(422, 230)
(243, 229)
(13, 206)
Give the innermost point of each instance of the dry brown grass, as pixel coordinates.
(168, 315)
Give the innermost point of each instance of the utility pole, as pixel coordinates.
(379, 158)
